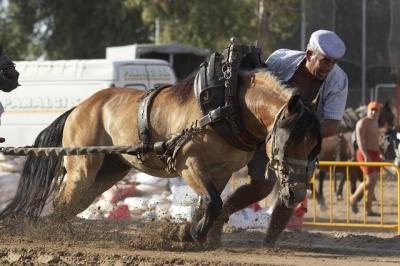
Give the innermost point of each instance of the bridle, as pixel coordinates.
(294, 174)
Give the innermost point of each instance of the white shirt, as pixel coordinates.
(283, 63)
(1, 111)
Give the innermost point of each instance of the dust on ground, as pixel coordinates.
(83, 242)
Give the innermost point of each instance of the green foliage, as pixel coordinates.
(210, 23)
(62, 29)
(59, 29)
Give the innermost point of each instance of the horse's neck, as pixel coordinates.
(263, 100)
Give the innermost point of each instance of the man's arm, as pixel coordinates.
(330, 127)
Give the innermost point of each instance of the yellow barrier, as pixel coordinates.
(351, 224)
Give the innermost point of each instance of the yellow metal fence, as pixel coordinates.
(339, 213)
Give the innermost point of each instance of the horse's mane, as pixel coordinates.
(299, 123)
(183, 90)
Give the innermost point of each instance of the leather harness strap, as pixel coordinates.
(216, 90)
(215, 87)
(144, 112)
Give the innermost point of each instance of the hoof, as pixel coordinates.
(200, 239)
(269, 243)
(214, 235)
(213, 244)
(339, 197)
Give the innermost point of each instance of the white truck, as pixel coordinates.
(49, 88)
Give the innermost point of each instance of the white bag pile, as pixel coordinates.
(8, 187)
(184, 203)
(170, 199)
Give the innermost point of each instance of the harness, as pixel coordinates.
(8, 74)
(216, 90)
(293, 182)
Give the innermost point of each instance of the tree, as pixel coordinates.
(71, 29)
(210, 23)
(59, 29)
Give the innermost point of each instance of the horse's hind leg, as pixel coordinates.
(110, 171)
(81, 174)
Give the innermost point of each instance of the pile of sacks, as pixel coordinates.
(10, 169)
(142, 197)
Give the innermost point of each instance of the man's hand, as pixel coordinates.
(330, 127)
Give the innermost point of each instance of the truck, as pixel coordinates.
(49, 88)
(184, 59)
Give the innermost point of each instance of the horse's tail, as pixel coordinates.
(36, 181)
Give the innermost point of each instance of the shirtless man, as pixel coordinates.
(367, 135)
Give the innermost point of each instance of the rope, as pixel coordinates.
(59, 151)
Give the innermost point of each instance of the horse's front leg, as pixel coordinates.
(259, 187)
(197, 176)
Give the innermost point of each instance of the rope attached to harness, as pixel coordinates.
(165, 150)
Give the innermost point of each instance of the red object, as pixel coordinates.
(296, 221)
(255, 206)
(121, 213)
(119, 192)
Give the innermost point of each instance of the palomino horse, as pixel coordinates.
(206, 161)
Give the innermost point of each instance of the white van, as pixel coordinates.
(49, 88)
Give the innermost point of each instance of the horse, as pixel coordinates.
(270, 111)
(337, 148)
(8, 74)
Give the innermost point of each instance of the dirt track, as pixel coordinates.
(110, 243)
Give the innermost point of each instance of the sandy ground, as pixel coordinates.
(84, 242)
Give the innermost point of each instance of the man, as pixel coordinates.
(8, 78)
(315, 74)
(367, 136)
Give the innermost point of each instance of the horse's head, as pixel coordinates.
(388, 143)
(8, 74)
(293, 146)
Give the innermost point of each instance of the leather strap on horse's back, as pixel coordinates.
(217, 93)
(144, 112)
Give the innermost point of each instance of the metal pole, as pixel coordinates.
(303, 26)
(157, 31)
(363, 52)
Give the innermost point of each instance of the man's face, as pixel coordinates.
(373, 113)
(319, 65)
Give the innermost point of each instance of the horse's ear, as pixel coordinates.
(293, 103)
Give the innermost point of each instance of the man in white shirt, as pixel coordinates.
(316, 76)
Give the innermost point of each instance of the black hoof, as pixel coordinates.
(339, 197)
(269, 243)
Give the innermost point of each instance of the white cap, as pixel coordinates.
(328, 43)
